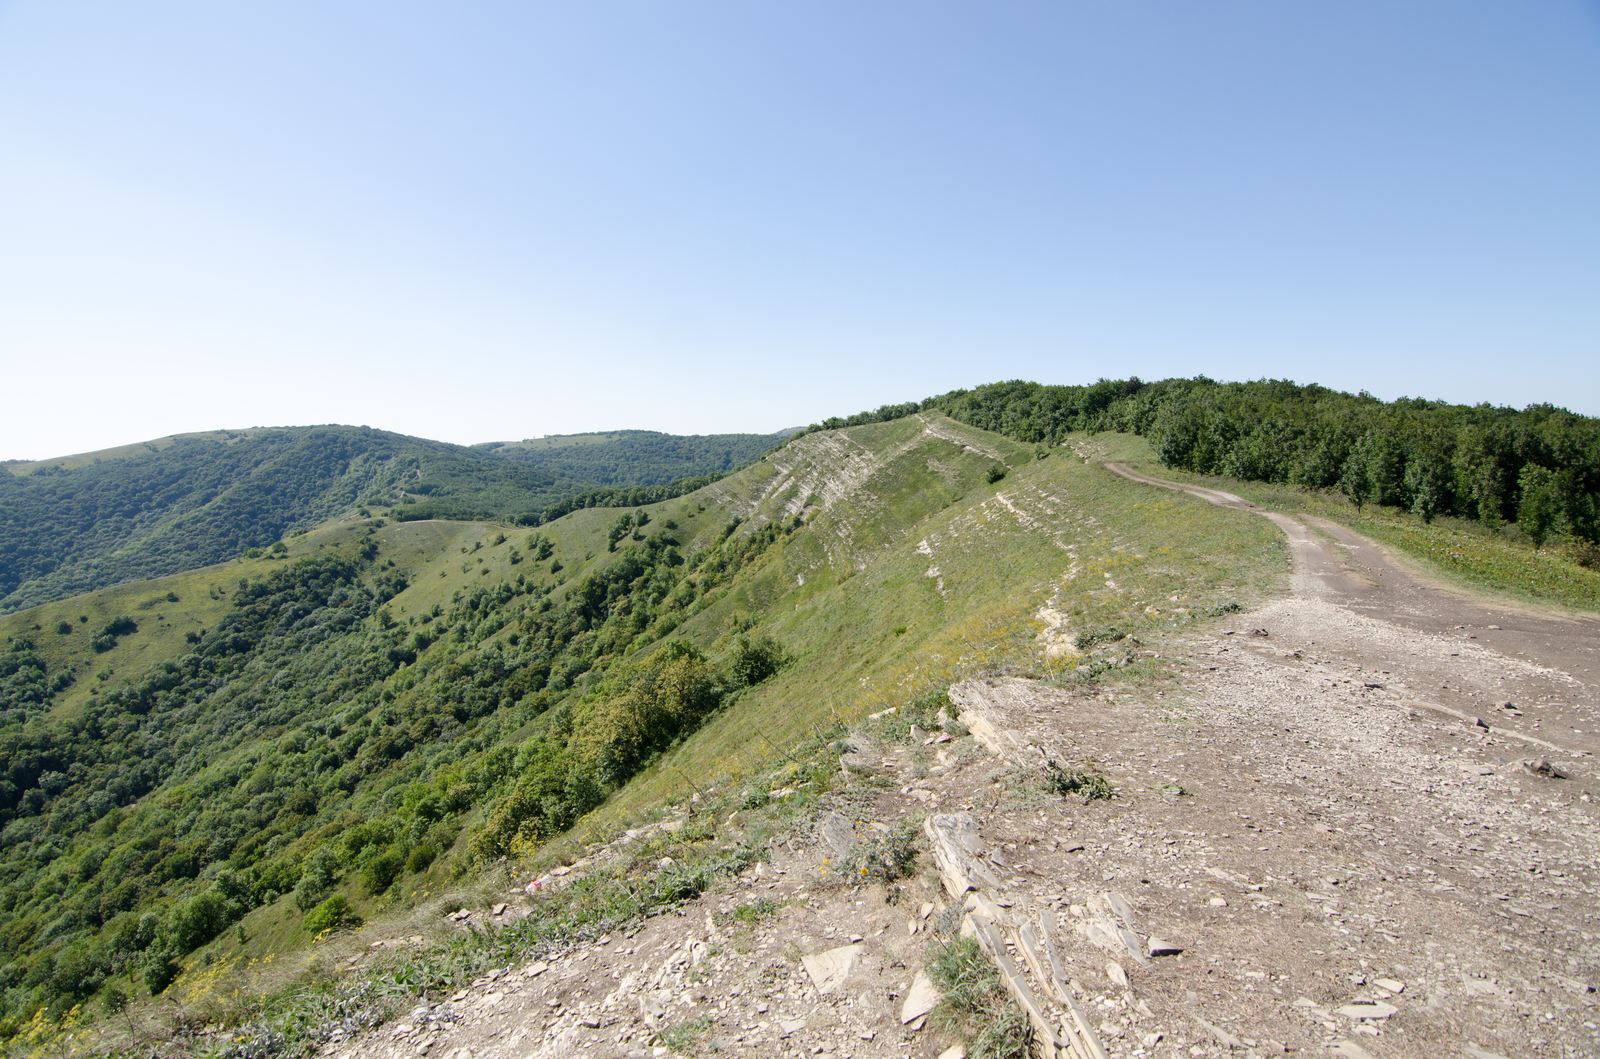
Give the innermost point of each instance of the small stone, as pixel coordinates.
(1220, 1035)
(1150, 1040)
(1390, 984)
(828, 970)
(926, 910)
(1162, 947)
(837, 831)
(1219, 902)
(1118, 976)
(499, 909)
(955, 1051)
(920, 999)
(788, 1026)
(1376, 1010)
(534, 970)
(590, 1021)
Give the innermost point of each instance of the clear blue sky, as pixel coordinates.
(478, 222)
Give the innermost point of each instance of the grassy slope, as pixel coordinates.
(1102, 550)
(1466, 554)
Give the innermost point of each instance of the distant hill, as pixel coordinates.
(637, 457)
(77, 523)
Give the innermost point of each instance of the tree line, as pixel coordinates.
(1537, 467)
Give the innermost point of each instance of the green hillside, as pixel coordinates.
(226, 761)
(78, 523)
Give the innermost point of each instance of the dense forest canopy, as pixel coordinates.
(1538, 467)
(201, 500)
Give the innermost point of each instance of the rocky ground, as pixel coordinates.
(1362, 824)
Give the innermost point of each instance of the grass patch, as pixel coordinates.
(685, 1038)
(974, 1005)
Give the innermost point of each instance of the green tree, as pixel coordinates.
(1356, 479)
(1539, 504)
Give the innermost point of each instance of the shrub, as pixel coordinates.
(196, 921)
(1089, 784)
(420, 858)
(382, 868)
(886, 855)
(755, 660)
(333, 914)
(105, 638)
(159, 971)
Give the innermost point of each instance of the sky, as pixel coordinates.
(479, 222)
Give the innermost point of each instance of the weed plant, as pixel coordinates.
(1090, 785)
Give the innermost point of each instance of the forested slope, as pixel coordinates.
(79, 523)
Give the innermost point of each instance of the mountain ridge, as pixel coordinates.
(76, 523)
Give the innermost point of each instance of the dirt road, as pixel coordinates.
(1475, 655)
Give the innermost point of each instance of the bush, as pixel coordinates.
(887, 855)
(196, 921)
(105, 638)
(333, 914)
(159, 971)
(755, 660)
(382, 868)
(113, 1000)
(420, 858)
(1089, 784)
